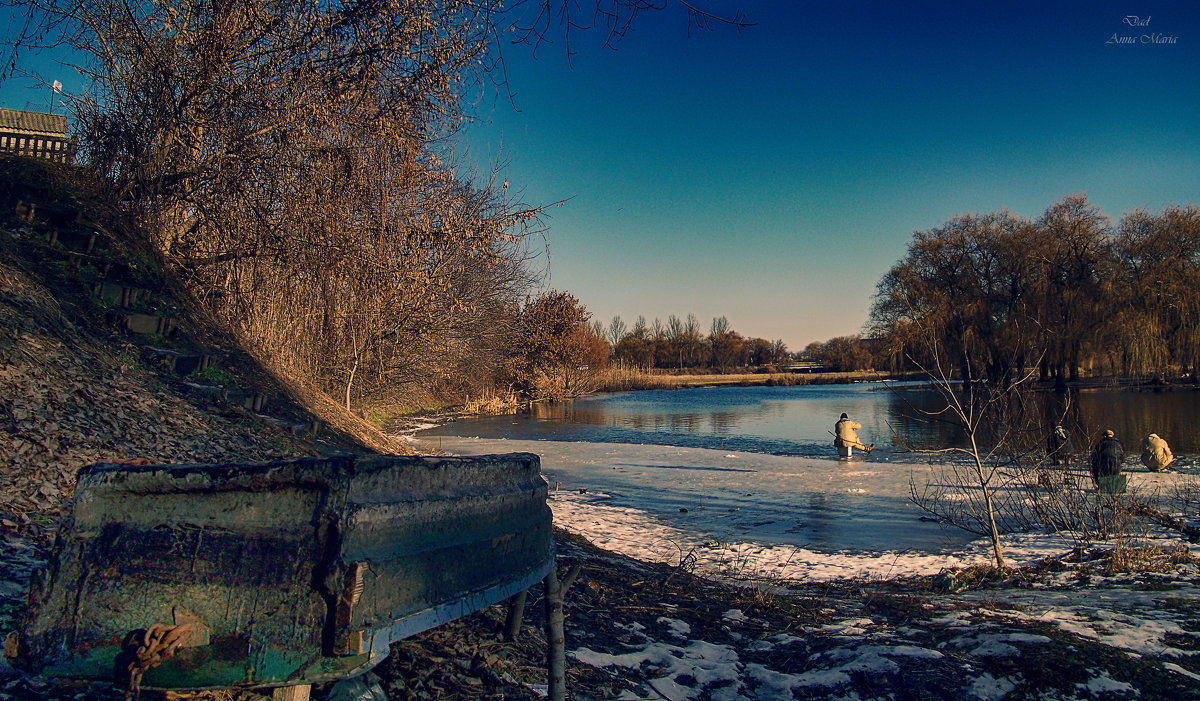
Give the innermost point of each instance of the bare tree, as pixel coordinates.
(616, 331)
(288, 162)
(995, 421)
(1074, 240)
(1157, 302)
(969, 282)
(540, 22)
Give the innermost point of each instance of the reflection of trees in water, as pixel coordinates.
(549, 411)
(685, 423)
(1131, 415)
(906, 413)
(694, 420)
(1135, 415)
(722, 422)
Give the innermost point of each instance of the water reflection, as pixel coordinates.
(1131, 415)
(799, 420)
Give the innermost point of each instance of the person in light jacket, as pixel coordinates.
(1156, 454)
(845, 434)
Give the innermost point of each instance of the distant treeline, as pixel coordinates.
(680, 344)
(996, 296)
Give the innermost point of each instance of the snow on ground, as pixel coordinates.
(973, 645)
(595, 493)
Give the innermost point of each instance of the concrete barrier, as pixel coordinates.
(277, 574)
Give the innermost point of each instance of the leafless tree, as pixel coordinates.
(1156, 300)
(1073, 242)
(982, 495)
(544, 22)
(616, 331)
(289, 163)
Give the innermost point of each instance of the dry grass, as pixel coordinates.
(335, 415)
(620, 378)
(493, 404)
(1149, 558)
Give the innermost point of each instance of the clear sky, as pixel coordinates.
(773, 175)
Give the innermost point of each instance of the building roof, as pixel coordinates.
(37, 122)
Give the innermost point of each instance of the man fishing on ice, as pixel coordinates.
(845, 437)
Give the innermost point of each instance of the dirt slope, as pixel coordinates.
(99, 362)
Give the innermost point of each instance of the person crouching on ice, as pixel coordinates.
(845, 437)
(1156, 454)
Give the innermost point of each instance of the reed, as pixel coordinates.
(620, 377)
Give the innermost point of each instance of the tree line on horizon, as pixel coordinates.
(680, 344)
(998, 296)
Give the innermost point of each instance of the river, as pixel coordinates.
(798, 420)
(757, 464)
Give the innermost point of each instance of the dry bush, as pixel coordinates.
(289, 164)
(1148, 558)
(493, 404)
(621, 376)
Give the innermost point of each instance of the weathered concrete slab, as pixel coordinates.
(120, 295)
(180, 362)
(279, 573)
(147, 324)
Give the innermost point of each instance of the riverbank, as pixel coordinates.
(750, 515)
(623, 379)
(660, 612)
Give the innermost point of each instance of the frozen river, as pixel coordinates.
(798, 420)
(745, 467)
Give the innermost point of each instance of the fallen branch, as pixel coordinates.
(1167, 521)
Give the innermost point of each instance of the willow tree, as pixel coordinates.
(1074, 242)
(1156, 295)
(965, 291)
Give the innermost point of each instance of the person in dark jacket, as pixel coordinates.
(1107, 456)
(1058, 446)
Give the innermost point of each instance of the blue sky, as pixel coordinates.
(773, 175)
